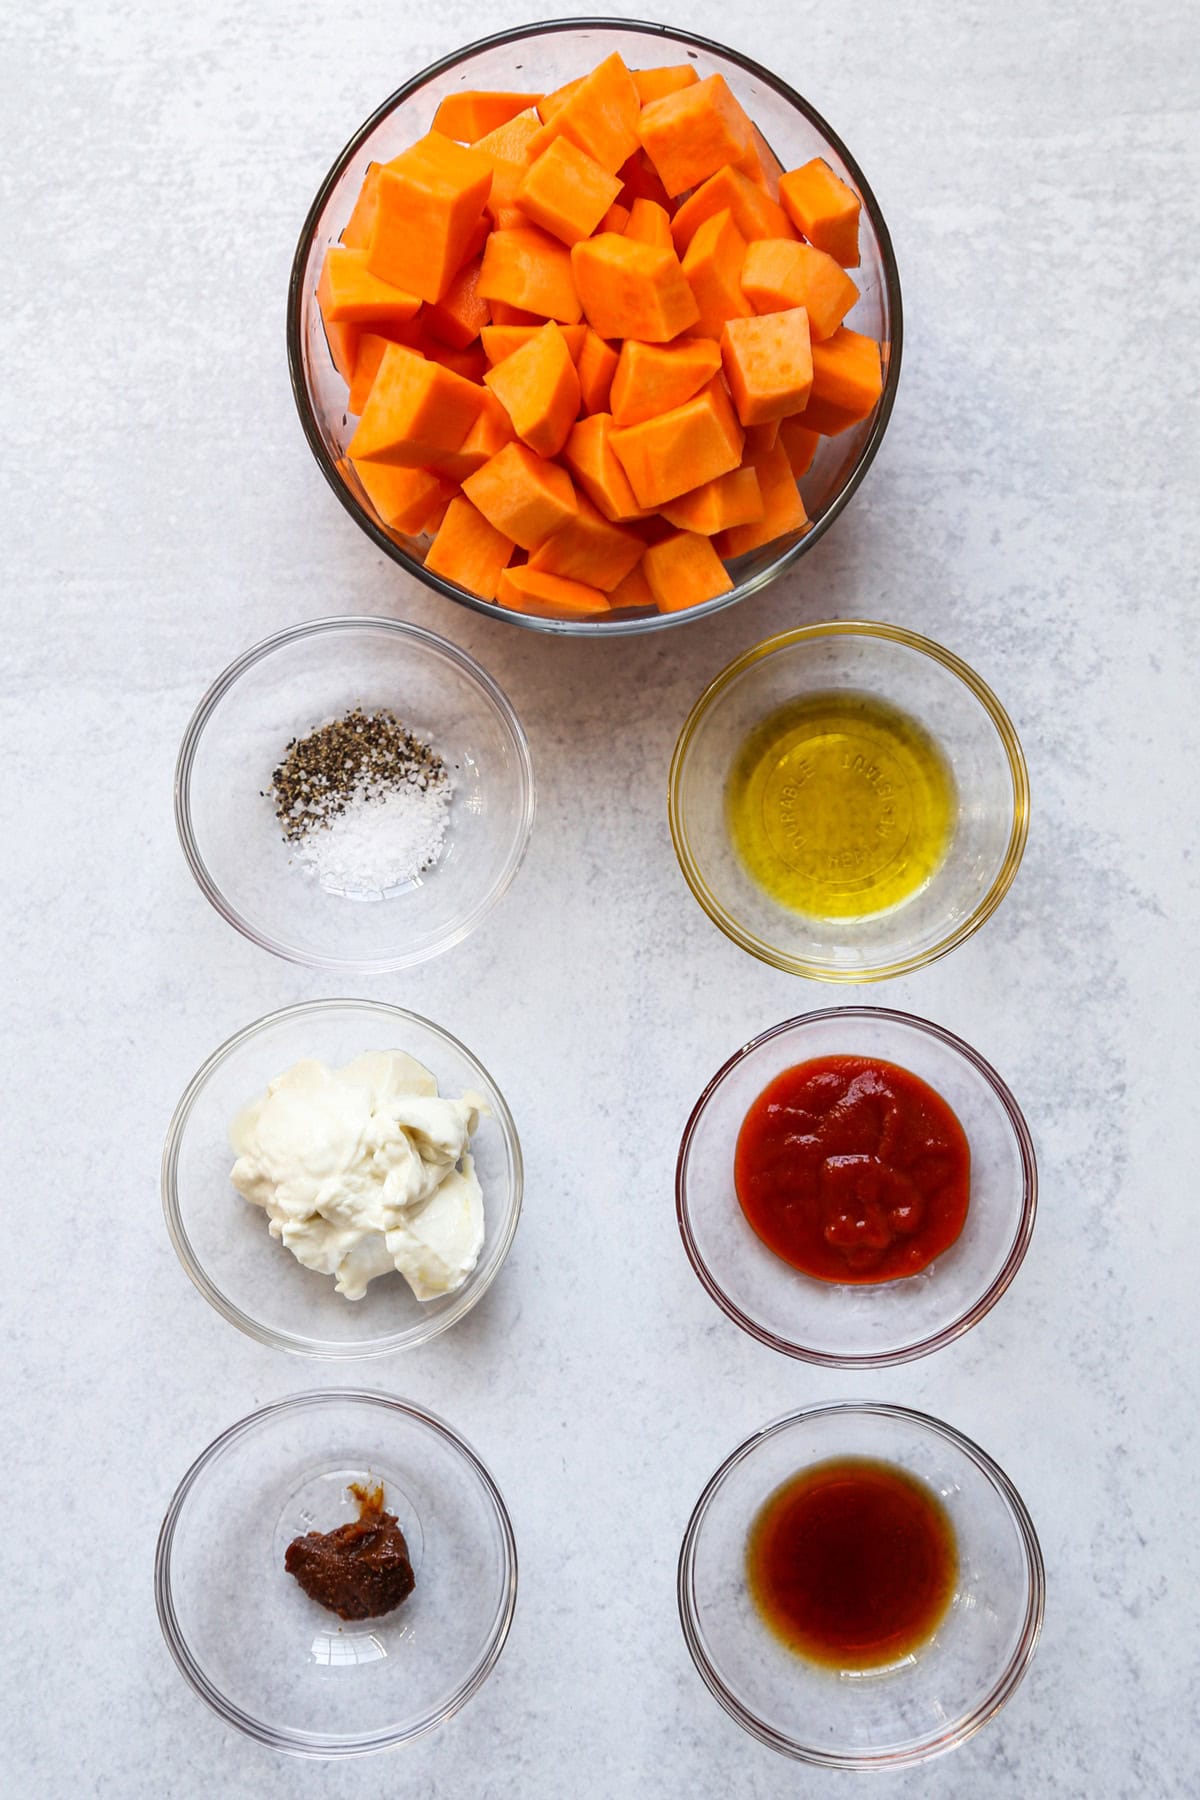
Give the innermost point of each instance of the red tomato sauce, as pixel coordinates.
(853, 1170)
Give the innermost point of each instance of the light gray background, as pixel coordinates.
(1033, 507)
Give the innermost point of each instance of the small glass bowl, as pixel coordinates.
(222, 1240)
(957, 710)
(274, 1663)
(301, 678)
(541, 58)
(932, 1700)
(870, 1325)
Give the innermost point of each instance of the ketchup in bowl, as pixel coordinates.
(853, 1170)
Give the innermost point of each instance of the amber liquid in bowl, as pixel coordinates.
(852, 1563)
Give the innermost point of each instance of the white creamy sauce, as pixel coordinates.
(365, 1169)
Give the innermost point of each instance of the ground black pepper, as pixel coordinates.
(336, 763)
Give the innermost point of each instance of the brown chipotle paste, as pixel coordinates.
(360, 1570)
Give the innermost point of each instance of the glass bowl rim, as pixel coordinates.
(1000, 1282)
(322, 1350)
(177, 1644)
(333, 625)
(1002, 1688)
(449, 589)
(989, 704)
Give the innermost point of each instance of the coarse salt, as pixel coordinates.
(385, 837)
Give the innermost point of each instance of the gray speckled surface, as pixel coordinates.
(1033, 507)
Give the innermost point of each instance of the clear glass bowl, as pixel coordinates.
(932, 1700)
(541, 58)
(223, 1241)
(301, 678)
(872, 1325)
(274, 1663)
(956, 709)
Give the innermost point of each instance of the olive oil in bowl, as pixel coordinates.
(840, 806)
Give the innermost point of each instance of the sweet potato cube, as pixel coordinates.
(640, 181)
(654, 378)
(733, 499)
(566, 191)
(847, 372)
(511, 140)
(652, 84)
(489, 434)
(761, 164)
(539, 389)
(761, 437)
(599, 116)
(783, 509)
(431, 201)
(684, 570)
(591, 459)
(649, 223)
(529, 269)
(678, 450)
(549, 104)
(469, 550)
(628, 289)
(712, 267)
(473, 113)
(368, 354)
(523, 495)
(692, 133)
(416, 409)
(343, 342)
(820, 204)
(615, 219)
(597, 364)
(754, 212)
(589, 548)
(800, 444)
(778, 273)
(404, 499)
(633, 591)
(526, 589)
(356, 232)
(768, 364)
(499, 341)
(462, 312)
(348, 293)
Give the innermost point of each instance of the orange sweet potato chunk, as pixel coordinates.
(668, 455)
(649, 223)
(599, 116)
(652, 84)
(653, 378)
(403, 498)
(591, 459)
(589, 548)
(499, 341)
(629, 289)
(733, 499)
(469, 550)
(768, 364)
(640, 181)
(489, 434)
(712, 266)
(683, 570)
(692, 133)
(820, 204)
(526, 589)
(847, 382)
(539, 389)
(343, 342)
(566, 191)
(416, 409)
(368, 354)
(430, 206)
(462, 312)
(529, 269)
(356, 233)
(348, 293)
(783, 509)
(778, 273)
(633, 591)
(523, 495)
(473, 113)
(800, 443)
(597, 364)
(754, 212)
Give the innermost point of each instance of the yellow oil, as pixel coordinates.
(840, 806)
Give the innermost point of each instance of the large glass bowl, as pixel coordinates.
(541, 58)
(977, 742)
(301, 678)
(274, 1663)
(873, 1324)
(223, 1241)
(932, 1699)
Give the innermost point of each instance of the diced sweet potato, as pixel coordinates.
(462, 312)
(500, 341)
(597, 364)
(733, 499)
(590, 457)
(712, 267)
(403, 498)
(469, 550)
(589, 548)
(847, 382)
(530, 269)
(783, 509)
(654, 378)
(566, 191)
(523, 495)
(690, 134)
(768, 364)
(800, 443)
(778, 273)
(684, 570)
(753, 211)
(430, 203)
(652, 84)
(633, 591)
(628, 289)
(600, 116)
(677, 451)
(526, 589)
(539, 389)
(649, 223)
(348, 293)
(416, 409)
(470, 115)
(824, 208)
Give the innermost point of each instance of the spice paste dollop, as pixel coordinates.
(361, 1569)
(853, 1170)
